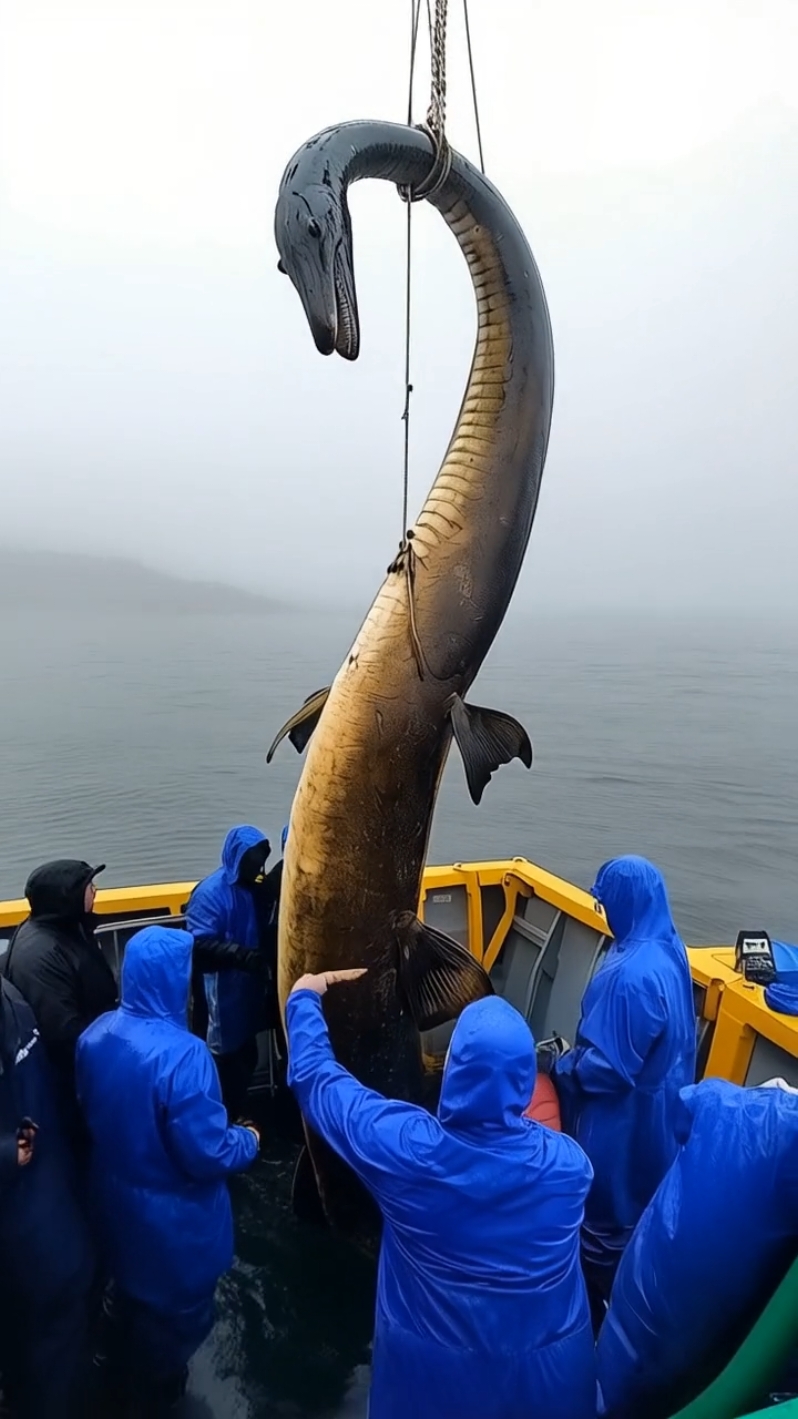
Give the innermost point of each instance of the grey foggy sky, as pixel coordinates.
(161, 397)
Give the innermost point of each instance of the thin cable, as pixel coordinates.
(408, 385)
(473, 86)
(435, 127)
(415, 15)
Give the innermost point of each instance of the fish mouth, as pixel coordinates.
(347, 333)
(313, 231)
(330, 303)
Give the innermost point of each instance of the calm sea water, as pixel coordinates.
(137, 740)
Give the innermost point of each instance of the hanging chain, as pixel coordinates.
(435, 123)
(436, 113)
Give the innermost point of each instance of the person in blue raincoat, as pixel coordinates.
(237, 903)
(162, 1151)
(634, 1050)
(482, 1310)
(711, 1247)
(46, 1256)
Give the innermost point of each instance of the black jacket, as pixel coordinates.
(58, 967)
(46, 1257)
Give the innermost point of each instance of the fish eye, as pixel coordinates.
(314, 229)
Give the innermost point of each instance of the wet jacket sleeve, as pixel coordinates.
(615, 1038)
(204, 916)
(8, 1158)
(209, 956)
(51, 991)
(196, 1130)
(373, 1134)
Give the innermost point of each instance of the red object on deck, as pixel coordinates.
(544, 1106)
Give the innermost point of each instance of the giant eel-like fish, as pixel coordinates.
(378, 739)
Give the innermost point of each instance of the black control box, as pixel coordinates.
(753, 956)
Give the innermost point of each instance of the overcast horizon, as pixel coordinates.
(160, 395)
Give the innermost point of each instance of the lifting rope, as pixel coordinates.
(474, 98)
(435, 127)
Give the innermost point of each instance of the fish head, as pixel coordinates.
(313, 232)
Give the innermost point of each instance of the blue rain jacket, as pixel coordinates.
(220, 910)
(634, 1050)
(782, 995)
(709, 1250)
(161, 1145)
(481, 1305)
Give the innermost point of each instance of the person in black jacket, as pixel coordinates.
(46, 1260)
(59, 969)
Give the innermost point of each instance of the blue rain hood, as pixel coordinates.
(633, 894)
(481, 1304)
(490, 1070)
(634, 1050)
(156, 974)
(701, 1266)
(238, 841)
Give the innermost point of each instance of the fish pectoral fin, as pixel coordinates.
(301, 725)
(486, 739)
(437, 976)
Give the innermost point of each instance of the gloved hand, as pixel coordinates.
(254, 962)
(26, 1139)
(253, 1127)
(548, 1052)
(210, 956)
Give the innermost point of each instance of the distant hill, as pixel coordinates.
(50, 581)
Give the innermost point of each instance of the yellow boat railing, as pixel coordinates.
(484, 903)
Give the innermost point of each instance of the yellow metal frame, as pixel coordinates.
(737, 1009)
(518, 878)
(739, 1012)
(743, 1017)
(713, 968)
(168, 897)
(524, 878)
